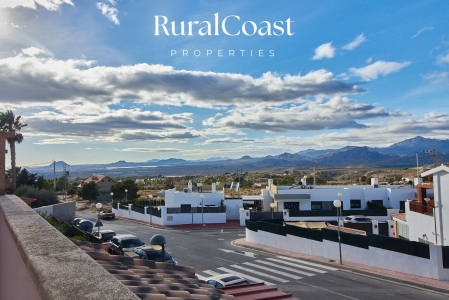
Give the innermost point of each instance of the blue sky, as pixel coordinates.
(96, 84)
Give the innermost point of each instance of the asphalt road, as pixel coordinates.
(211, 252)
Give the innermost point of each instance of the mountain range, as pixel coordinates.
(407, 153)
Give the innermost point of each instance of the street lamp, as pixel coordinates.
(434, 219)
(337, 204)
(126, 195)
(112, 199)
(157, 242)
(150, 197)
(202, 209)
(98, 224)
(272, 205)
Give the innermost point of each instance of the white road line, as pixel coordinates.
(272, 270)
(254, 279)
(275, 278)
(309, 263)
(285, 268)
(211, 273)
(298, 265)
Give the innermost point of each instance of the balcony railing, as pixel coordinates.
(420, 208)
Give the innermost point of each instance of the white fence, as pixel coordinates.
(172, 219)
(375, 257)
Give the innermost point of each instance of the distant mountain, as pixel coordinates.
(315, 153)
(401, 154)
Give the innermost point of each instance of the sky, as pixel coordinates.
(134, 80)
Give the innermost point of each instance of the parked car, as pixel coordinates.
(106, 214)
(105, 235)
(147, 252)
(357, 219)
(122, 243)
(223, 280)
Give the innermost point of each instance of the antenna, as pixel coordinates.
(417, 166)
(434, 153)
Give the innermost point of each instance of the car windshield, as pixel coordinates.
(131, 243)
(107, 236)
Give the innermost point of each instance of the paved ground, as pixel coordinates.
(412, 280)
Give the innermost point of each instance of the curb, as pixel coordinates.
(349, 269)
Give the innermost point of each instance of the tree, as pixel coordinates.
(119, 188)
(8, 123)
(89, 191)
(26, 178)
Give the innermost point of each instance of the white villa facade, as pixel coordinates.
(352, 196)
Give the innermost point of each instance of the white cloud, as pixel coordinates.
(78, 80)
(32, 51)
(443, 59)
(378, 68)
(324, 51)
(437, 77)
(48, 4)
(369, 60)
(109, 12)
(335, 113)
(354, 44)
(421, 30)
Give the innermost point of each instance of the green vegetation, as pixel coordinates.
(89, 191)
(11, 123)
(43, 197)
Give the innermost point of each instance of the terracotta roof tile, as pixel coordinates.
(156, 280)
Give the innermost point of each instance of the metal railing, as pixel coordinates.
(418, 207)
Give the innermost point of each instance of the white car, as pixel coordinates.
(357, 219)
(223, 280)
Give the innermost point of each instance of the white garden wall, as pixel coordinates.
(379, 258)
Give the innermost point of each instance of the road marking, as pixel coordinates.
(273, 271)
(285, 268)
(211, 273)
(254, 279)
(298, 265)
(275, 278)
(308, 263)
(250, 254)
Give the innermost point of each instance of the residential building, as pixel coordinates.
(104, 185)
(426, 216)
(321, 197)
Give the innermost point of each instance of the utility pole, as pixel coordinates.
(434, 153)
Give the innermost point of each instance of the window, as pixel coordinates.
(322, 205)
(356, 204)
(378, 202)
(315, 205)
(291, 205)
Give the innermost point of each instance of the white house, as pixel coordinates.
(427, 215)
(304, 197)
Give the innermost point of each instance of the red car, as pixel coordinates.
(106, 214)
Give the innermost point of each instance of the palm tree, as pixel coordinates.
(9, 122)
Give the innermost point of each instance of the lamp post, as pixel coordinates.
(157, 242)
(272, 205)
(202, 209)
(434, 219)
(126, 195)
(112, 199)
(337, 204)
(98, 224)
(150, 197)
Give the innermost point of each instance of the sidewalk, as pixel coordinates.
(383, 274)
(393, 276)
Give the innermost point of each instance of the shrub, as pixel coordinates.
(43, 197)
